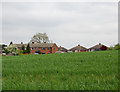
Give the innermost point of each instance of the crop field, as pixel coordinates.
(68, 71)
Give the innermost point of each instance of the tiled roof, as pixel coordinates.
(78, 48)
(98, 46)
(36, 45)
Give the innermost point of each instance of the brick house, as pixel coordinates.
(44, 48)
(98, 47)
(78, 49)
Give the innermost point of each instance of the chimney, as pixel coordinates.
(99, 43)
(21, 42)
(32, 42)
(78, 44)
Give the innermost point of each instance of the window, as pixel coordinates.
(36, 48)
(43, 48)
(48, 48)
(32, 48)
(54, 48)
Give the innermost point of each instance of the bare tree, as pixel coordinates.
(40, 38)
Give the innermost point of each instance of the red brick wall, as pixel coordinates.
(54, 48)
(46, 50)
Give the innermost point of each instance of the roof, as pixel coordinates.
(62, 49)
(78, 48)
(36, 45)
(98, 46)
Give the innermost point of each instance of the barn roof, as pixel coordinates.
(98, 46)
(78, 48)
(36, 45)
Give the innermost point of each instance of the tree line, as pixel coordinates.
(12, 49)
(115, 47)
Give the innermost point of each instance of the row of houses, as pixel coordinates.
(79, 48)
(47, 48)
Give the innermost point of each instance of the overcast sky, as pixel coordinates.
(67, 24)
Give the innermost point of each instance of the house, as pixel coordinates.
(44, 48)
(98, 47)
(78, 49)
(62, 49)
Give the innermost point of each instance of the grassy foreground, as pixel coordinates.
(69, 71)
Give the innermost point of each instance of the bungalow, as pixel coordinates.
(62, 49)
(98, 47)
(78, 49)
(44, 48)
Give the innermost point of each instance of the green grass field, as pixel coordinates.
(69, 71)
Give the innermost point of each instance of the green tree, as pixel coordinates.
(111, 48)
(40, 38)
(28, 48)
(12, 49)
(3, 46)
(23, 48)
(6, 50)
(20, 52)
(117, 47)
